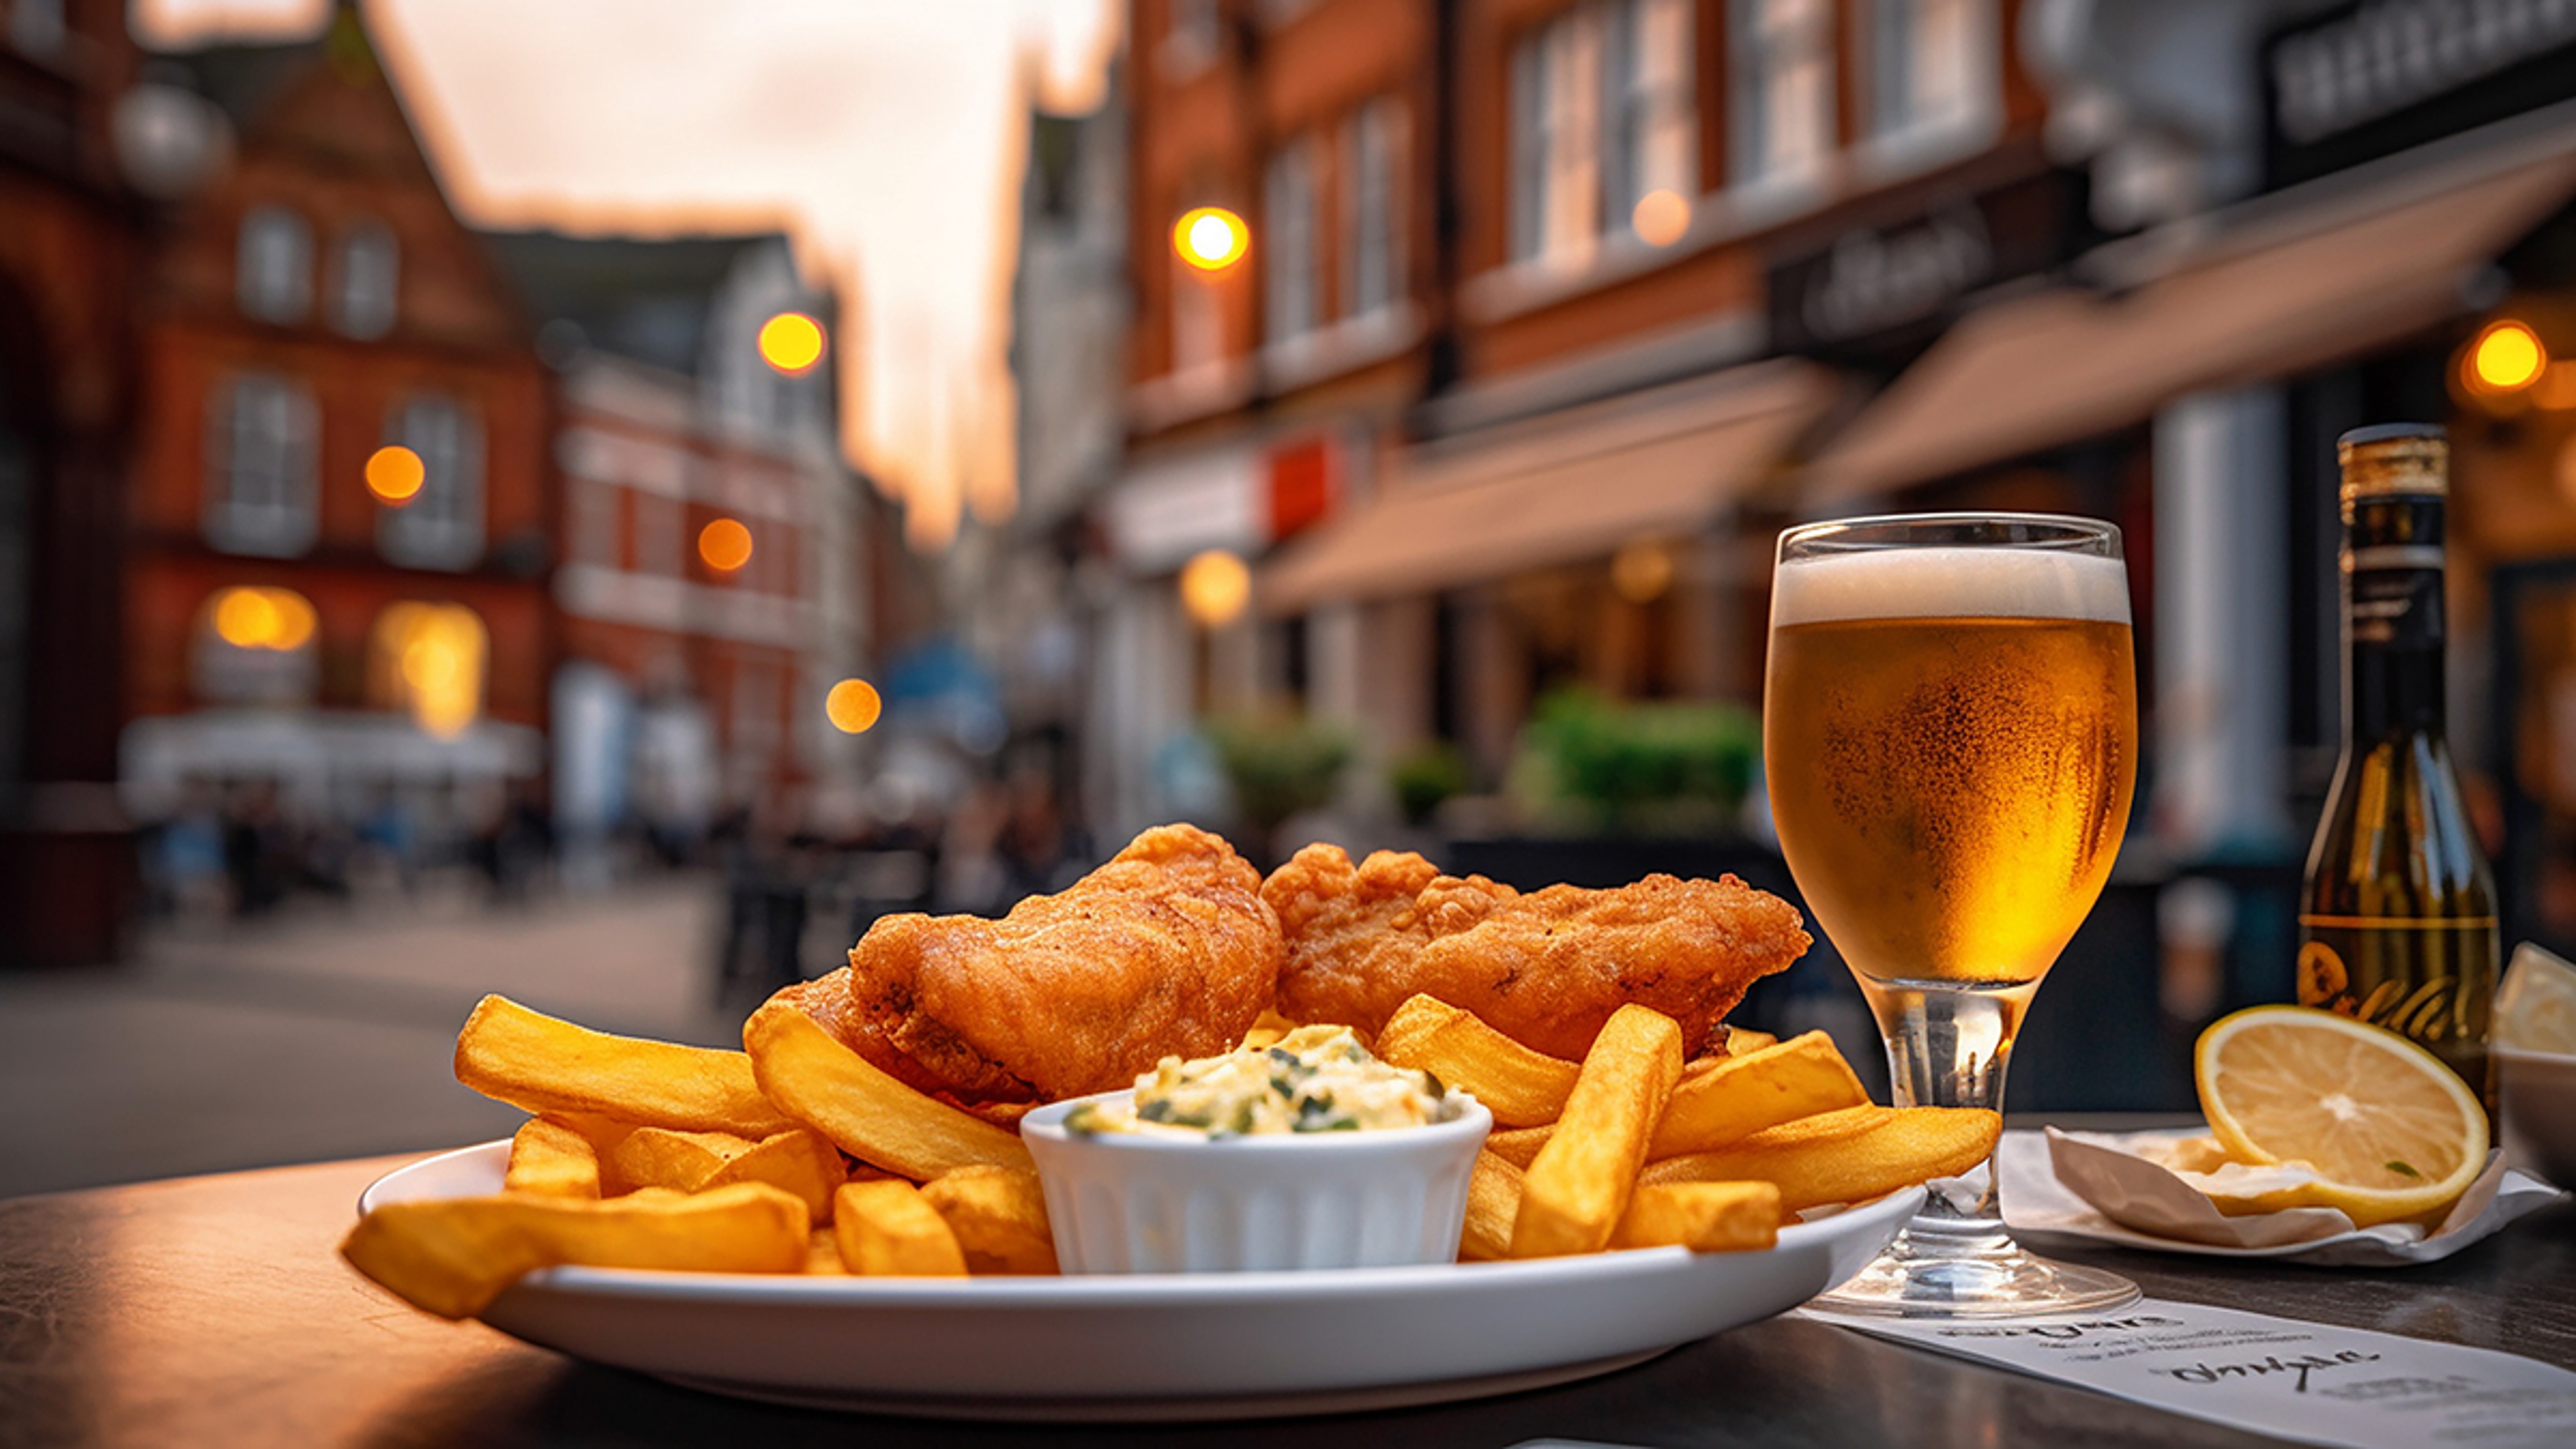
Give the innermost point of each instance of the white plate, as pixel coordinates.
(1156, 1346)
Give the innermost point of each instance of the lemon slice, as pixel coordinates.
(2536, 1010)
(2390, 1132)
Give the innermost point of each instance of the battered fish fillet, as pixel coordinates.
(1167, 950)
(1546, 968)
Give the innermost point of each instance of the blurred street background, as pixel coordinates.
(601, 500)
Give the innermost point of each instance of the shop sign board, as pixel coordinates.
(2370, 78)
(1888, 288)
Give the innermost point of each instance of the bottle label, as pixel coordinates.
(2431, 980)
(2395, 606)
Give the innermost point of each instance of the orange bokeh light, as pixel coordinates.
(1211, 238)
(725, 545)
(1214, 588)
(255, 618)
(791, 342)
(1661, 217)
(394, 474)
(853, 706)
(2506, 357)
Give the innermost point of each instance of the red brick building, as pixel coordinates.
(1543, 298)
(313, 313)
(68, 250)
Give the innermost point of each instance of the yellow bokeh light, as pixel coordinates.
(1211, 238)
(1214, 588)
(255, 618)
(853, 706)
(430, 662)
(725, 545)
(394, 474)
(791, 342)
(2506, 357)
(1661, 217)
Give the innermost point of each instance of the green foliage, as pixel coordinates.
(1663, 766)
(1424, 777)
(1278, 764)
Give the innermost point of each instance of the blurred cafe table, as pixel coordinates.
(214, 1311)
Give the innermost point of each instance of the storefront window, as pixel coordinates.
(428, 661)
(262, 437)
(255, 646)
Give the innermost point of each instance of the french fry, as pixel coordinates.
(796, 1161)
(1521, 1087)
(1578, 1185)
(885, 1228)
(453, 1256)
(1727, 1099)
(1705, 1217)
(1267, 1030)
(1740, 1040)
(551, 1159)
(863, 1111)
(1519, 1146)
(1852, 1155)
(532, 1060)
(823, 1256)
(999, 1217)
(1493, 1199)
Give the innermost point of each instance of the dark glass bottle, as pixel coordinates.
(2397, 919)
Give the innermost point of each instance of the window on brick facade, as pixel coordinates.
(1652, 116)
(442, 526)
(1373, 152)
(1292, 260)
(594, 522)
(365, 265)
(1782, 59)
(1556, 139)
(263, 437)
(1923, 63)
(275, 265)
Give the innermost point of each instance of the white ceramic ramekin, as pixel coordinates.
(2538, 1091)
(1120, 1203)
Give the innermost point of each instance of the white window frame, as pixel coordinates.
(1558, 72)
(263, 449)
(1776, 47)
(442, 526)
(274, 265)
(1292, 268)
(366, 280)
(1650, 114)
(1374, 146)
(1903, 136)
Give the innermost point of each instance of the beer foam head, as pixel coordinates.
(1949, 583)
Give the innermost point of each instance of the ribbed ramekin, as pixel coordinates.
(1136, 1204)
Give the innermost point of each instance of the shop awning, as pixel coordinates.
(2300, 288)
(1553, 490)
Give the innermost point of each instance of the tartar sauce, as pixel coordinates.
(1314, 1079)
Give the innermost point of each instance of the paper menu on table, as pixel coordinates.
(2310, 1382)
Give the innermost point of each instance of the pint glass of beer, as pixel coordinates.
(1950, 729)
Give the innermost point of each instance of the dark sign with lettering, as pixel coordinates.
(2372, 78)
(1878, 292)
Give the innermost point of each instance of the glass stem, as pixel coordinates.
(1948, 1045)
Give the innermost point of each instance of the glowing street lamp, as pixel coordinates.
(853, 706)
(792, 343)
(1211, 238)
(394, 475)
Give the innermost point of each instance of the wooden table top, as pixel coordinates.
(214, 1311)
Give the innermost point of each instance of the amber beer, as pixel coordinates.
(1951, 739)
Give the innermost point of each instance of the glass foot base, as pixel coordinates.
(1941, 1275)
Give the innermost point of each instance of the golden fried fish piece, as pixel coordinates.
(1546, 968)
(1167, 950)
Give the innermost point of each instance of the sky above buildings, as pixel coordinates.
(886, 135)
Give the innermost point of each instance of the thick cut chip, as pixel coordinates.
(1852, 1155)
(797, 1161)
(886, 1229)
(453, 1256)
(999, 1216)
(680, 1161)
(1740, 1040)
(823, 1256)
(1705, 1217)
(551, 1159)
(1727, 1099)
(532, 1060)
(861, 1109)
(1578, 1185)
(1493, 1200)
(1519, 1146)
(1521, 1087)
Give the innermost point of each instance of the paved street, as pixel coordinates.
(327, 1032)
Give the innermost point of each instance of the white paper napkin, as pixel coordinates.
(2098, 1185)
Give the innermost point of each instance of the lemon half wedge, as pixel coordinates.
(2390, 1132)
